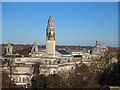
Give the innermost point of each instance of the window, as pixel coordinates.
(58, 62)
(49, 62)
(23, 79)
(72, 68)
(53, 71)
(19, 79)
(69, 60)
(8, 49)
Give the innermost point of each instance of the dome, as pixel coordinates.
(99, 49)
(101, 45)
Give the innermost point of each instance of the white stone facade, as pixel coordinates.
(50, 48)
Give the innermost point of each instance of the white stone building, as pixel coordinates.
(52, 61)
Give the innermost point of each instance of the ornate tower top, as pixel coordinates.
(50, 19)
(50, 32)
(35, 43)
(9, 44)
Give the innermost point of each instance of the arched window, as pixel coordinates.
(19, 79)
(8, 50)
(53, 71)
(34, 49)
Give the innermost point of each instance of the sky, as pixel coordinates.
(60, 0)
(75, 23)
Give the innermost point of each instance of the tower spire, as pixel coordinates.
(50, 32)
(35, 43)
(9, 44)
(50, 19)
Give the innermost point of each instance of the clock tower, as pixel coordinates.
(50, 38)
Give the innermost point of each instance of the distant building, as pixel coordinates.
(99, 48)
